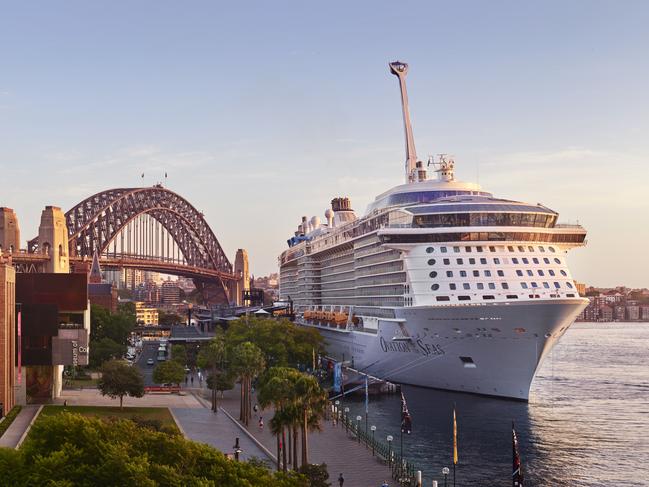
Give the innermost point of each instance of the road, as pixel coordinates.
(149, 350)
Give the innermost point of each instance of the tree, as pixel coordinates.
(179, 354)
(168, 372)
(105, 349)
(119, 379)
(247, 362)
(70, 449)
(317, 475)
(283, 343)
(223, 380)
(169, 319)
(312, 401)
(212, 357)
(116, 326)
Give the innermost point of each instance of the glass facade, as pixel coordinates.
(543, 220)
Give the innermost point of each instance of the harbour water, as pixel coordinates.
(586, 424)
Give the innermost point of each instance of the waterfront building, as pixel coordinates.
(619, 312)
(100, 292)
(633, 312)
(605, 313)
(132, 278)
(7, 336)
(644, 312)
(145, 315)
(581, 288)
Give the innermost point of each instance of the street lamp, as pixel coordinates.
(345, 419)
(373, 428)
(358, 427)
(337, 404)
(237, 449)
(445, 471)
(389, 438)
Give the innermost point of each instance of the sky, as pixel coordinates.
(261, 112)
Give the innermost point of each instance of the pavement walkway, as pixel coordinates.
(92, 397)
(339, 450)
(16, 430)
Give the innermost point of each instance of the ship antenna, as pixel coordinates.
(400, 70)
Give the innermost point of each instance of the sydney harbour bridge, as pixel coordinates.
(150, 229)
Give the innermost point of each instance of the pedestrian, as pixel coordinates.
(186, 379)
(192, 380)
(341, 480)
(261, 423)
(65, 402)
(385, 484)
(255, 408)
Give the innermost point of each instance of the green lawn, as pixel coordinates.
(138, 414)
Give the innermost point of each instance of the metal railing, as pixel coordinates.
(402, 470)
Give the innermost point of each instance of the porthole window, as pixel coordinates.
(519, 272)
(521, 248)
(476, 273)
(546, 260)
(529, 272)
(496, 260)
(492, 249)
(501, 273)
(442, 250)
(449, 273)
(563, 273)
(551, 249)
(431, 261)
(471, 260)
(541, 273)
(530, 248)
(514, 260)
(466, 285)
(479, 248)
(504, 285)
(433, 274)
(542, 249)
(569, 284)
(492, 285)
(435, 287)
(524, 285)
(447, 261)
(460, 261)
(546, 285)
(558, 261)
(557, 285)
(526, 260)
(534, 284)
(467, 249)
(551, 272)
(510, 248)
(462, 273)
(487, 273)
(456, 250)
(535, 260)
(483, 260)
(480, 286)
(452, 287)
(430, 250)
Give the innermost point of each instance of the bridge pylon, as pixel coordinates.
(53, 240)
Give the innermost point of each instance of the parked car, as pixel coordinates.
(149, 362)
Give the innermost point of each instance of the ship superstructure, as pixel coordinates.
(440, 284)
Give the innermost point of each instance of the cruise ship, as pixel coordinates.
(439, 284)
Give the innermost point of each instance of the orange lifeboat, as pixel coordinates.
(340, 318)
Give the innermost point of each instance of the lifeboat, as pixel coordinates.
(340, 318)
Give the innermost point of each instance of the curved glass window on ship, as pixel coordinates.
(418, 197)
(485, 220)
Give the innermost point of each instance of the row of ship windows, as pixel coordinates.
(480, 248)
(487, 297)
(500, 273)
(496, 261)
(491, 285)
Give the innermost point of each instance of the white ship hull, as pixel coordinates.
(502, 345)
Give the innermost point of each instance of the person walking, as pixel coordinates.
(385, 484)
(192, 381)
(341, 480)
(261, 423)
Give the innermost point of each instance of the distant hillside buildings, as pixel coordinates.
(617, 304)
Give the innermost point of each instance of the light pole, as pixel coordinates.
(337, 403)
(445, 471)
(358, 427)
(373, 428)
(345, 420)
(389, 438)
(237, 449)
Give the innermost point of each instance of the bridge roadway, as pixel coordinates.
(149, 351)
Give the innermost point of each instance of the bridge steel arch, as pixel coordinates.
(95, 222)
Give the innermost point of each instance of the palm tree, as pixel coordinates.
(311, 405)
(248, 362)
(212, 356)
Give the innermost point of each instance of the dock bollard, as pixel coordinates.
(418, 477)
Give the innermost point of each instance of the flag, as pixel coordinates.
(406, 421)
(338, 377)
(367, 399)
(454, 438)
(517, 471)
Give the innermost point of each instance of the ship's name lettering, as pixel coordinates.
(394, 346)
(422, 347)
(429, 348)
